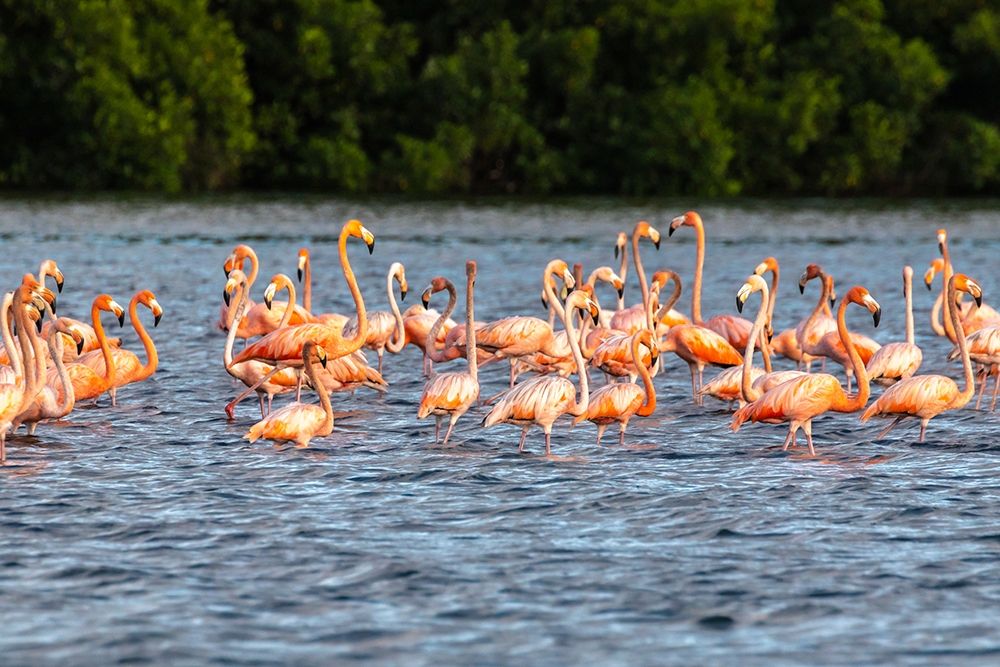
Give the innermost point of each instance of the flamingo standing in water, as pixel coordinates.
(634, 318)
(926, 396)
(88, 383)
(299, 422)
(810, 330)
(897, 361)
(784, 343)
(282, 348)
(973, 317)
(385, 329)
(542, 400)
(12, 394)
(53, 400)
(521, 336)
(984, 349)
(128, 368)
(734, 329)
(452, 394)
(619, 402)
(800, 400)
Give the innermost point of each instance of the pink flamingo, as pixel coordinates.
(299, 422)
(897, 361)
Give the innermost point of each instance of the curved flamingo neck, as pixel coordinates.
(324, 397)
(152, 359)
(286, 317)
(56, 352)
(773, 296)
(238, 312)
(936, 324)
(430, 343)
(649, 403)
(581, 369)
(358, 339)
(746, 386)
(640, 272)
(623, 274)
(549, 287)
(824, 300)
(471, 355)
(860, 399)
(908, 294)
(699, 264)
(398, 339)
(970, 382)
(674, 297)
(254, 266)
(102, 339)
(8, 339)
(949, 271)
(307, 285)
(27, 380)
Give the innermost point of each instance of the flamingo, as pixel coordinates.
(452, 394)
(544, 399)
(784, 343)
(619, 402)
(128, 368)
(984, 349)
(800, 400)
(299, 422)
(335, 320)
(632, 319)
(897, 361)
(282, 348)
(12, 394)
(734, 329)
(417, 324)
(521, 336)
(385, 329)
(926, 396)
(249, 372)
(88, 383)
(972, 319)
(53, 401)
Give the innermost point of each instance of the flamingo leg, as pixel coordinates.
(231, 406)
(808, 428)
(524, 434)
(849, 375)
(114, 397)
(996, 389)
(3, 447)
(923, 428)
(298, 387)
(548, 443)
(982, 391)
(270, 399)
(513, 374)
(437, 429)
(600, 432)
(451, 425)
(621, 434)
(380, 353)
(260, 402)
(790, 440)
(694, 384)
(893, 424)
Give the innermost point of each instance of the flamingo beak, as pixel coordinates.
(621, 292)
(739, 304)
(616, 251)
(269, 294)
(301, 267)
(121, 319)
(877, 316)
(656, 243)
(59, 285)
(979, 300)
(157, 312)
(545, 304)
(79, 347)
(425, 298)
(564, 294)
(54, 305)
(371, 245)
(38, 324)
(402, 293)
(156, 319)
(596, 315)
(927, 282)
(742, 296)
(225, 297)
(760, 269)
(299, 274)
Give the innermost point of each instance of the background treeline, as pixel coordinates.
(710, 97)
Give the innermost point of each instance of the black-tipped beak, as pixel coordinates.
(267, 302)
(225, 271)
(121, 319)
(802, 288)
(79, 347)
(323, 361)
(616, 252)
(545, 303)
(770, 334)
(564, 294)
(833, 300)
(978, 300)
(940, 247)
(225, 297)
(621, 292)
(156, 319)
(299, 272)
(38, 325)
(59, 286)
(877, 316)
(739, 305)
(596, 317)
(371, 247)
(928, 283)
(670, 231)
(425, 299)
(656, 244)
(54, 306)
(402, 295)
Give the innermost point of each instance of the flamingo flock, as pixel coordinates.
(51, 363)
(624, 345)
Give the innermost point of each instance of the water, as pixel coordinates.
(153, 533)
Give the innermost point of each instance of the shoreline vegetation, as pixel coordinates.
(645, 99)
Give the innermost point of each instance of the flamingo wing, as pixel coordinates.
(921, 396)
(448, 392)
(297, 422)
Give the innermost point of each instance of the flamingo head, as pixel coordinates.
(471, 269)
(236, 277)
(580, 300)
(303, 262)
(65, 326)
(860, 296)
(36, 288)
(148, 299)
(643, 228)
(240, 254)
(608, 275)
(106, 303)
(936, 267)
(942, 238)
(34, 312)
(907, 277)
(398, 272)
(812, 271)
(438, 284)
(355, 228)
(691, 219)
(620, 243)
(279, 281)
(753, 284)
(311, 353)
(645, 337)
(769, 264)
(969, 286)
(50, 268)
